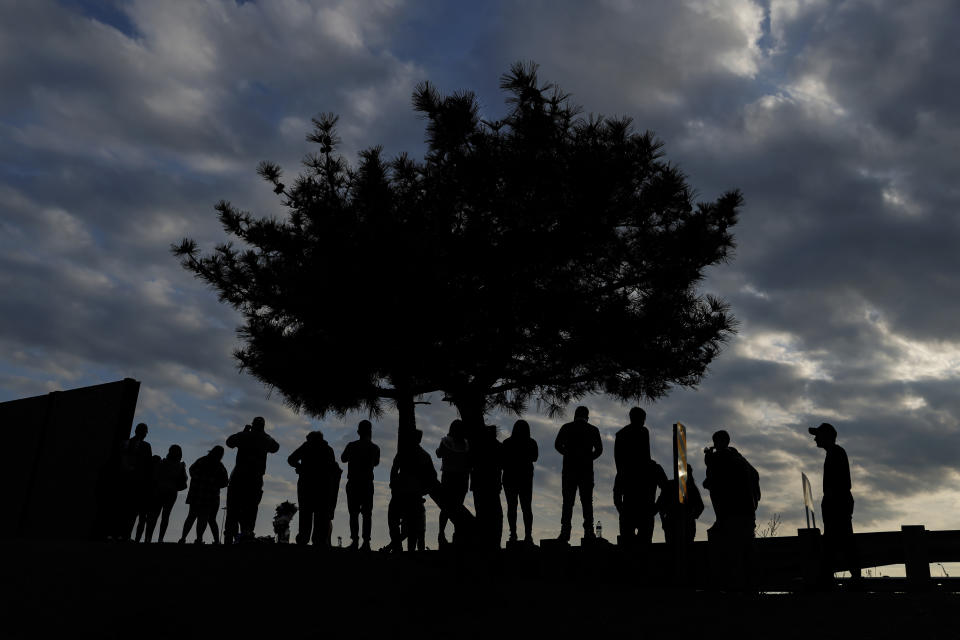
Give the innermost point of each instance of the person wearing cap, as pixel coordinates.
(837, 504)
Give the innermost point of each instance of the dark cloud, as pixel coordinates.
(122, 123)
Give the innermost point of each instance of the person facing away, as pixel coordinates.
(136, 476)
(637, 481)
(149, 509)
(837, 503)
(579, 443)
(412, 476)
(734, 487)
(671, 511)
(207, 477)
(454, 454)
(246, 481)
(519, 453)
(360, 456)
(316, 468)
(171, 479)
(486, 482)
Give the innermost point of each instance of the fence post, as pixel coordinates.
(915, 557)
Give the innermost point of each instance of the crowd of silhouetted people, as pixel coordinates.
(470, 461)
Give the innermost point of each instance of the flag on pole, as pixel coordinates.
(807, 492)
(680, 438)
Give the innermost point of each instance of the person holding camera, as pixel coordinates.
(246, 481)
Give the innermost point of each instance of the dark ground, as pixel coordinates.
(272, 591)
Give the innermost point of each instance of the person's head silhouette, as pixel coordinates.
(216, 453)
(581, 413)
(721, 440)
(638, 416)
(315, 437)
(259, 424)
(824, 435)
(140, 431)
(521, 430)
(365, 430)
(456, 429)
(175, 453)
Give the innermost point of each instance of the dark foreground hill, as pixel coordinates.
(274, 591)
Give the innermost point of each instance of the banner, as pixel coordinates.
(680, 459)
(807, 492)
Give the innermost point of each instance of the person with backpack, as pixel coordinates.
(316, 467)
(734, 487)
(171, 480)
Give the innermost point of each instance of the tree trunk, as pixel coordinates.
(406, 410)
(471, 408)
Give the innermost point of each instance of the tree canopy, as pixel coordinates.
(541, 256)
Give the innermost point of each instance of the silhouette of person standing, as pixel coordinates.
(171, 479)
(837, 504)
(734, 487)
(207, 477)
(136, 480)
(246, 481)
(149, 507)
(519, 453)
(668, 504)
(316, 467)
(360, 456)
(412, 476)
(579, 443)
(486, 483)
(454, 454)
(637, 481)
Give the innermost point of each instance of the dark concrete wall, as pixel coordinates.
(61, 451)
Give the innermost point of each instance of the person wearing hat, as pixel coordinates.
(837, 504)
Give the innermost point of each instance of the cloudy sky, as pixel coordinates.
(122, 123)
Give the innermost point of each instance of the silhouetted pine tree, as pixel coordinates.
(542, 256)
